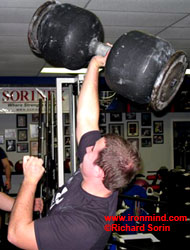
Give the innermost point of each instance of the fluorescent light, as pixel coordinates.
(62, 71)
(50, 70)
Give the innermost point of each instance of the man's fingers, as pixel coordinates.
(26, 158)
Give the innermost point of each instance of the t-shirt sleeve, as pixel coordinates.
(88, 139)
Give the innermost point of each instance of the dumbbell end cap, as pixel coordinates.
(169, 81)
(34, 23)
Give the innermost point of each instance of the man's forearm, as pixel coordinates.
(7, 168)
(6, 202)
(21, 230)
(8, 173)
(22, 212)
(88, 103)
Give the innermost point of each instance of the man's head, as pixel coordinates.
(119, 160)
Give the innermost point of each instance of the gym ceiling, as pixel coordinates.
(169, 19)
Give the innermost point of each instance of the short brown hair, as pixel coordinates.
(120, 161)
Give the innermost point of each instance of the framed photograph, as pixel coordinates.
(130, 116)
(146, 142)
(67, 161)
(33, 131)
(102, 119)
(158, 127)
(10, 133)
(67, 153)
(22, 135)
(67, 118)
(103, 130)
(1, 139)
(134, 141)
(67, 141)
(10, 145)
(146, 119)
(21, 121)
(34, 148)
(115, 117)
(67, 130)
(117, 129)
(158, 139)
(145, 131)
(22, 147)
(132, 129)
(35, 117)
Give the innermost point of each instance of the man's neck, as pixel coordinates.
(96, 189)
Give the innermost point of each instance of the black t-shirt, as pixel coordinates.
(76, 218)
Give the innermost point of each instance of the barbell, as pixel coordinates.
(141, 67)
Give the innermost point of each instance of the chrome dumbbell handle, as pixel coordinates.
(98, 48)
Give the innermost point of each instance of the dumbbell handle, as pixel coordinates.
(98, 48)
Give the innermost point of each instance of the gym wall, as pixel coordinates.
(155, 152)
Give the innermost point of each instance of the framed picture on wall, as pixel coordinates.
(102, 119)
(117, 129)
(67, 153)
(67, 118)
(21, 121)
(22, 147)
(134, 141)
(115, 117)
(22, 135)
(67, 130)
(158, 139)
(103, 130)
(158, 127)
(146, 119)
(130, 116)
(132, 129)
(34, 148)
(1, 139)
(35, 117)
(10, 145)
(146, 131)
(10, 133)
(146, 142)
(67, 140)
(33, 131)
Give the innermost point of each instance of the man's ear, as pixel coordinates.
(99, 173)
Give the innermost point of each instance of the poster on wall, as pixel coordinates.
(22, 100)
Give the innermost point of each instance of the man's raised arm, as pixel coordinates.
(88, 103)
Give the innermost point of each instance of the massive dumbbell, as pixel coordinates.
(61, 34)
(141, 67)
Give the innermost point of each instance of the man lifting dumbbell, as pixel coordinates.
(76, 216)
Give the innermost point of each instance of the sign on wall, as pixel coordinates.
(26, 100)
